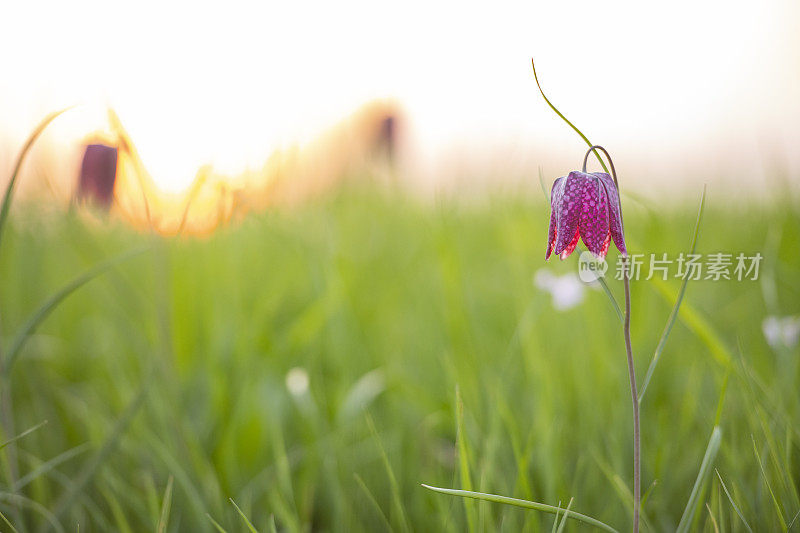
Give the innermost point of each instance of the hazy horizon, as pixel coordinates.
(673, 92)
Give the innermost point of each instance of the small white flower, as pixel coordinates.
(297, 381)
(781, 331)
(567, 291)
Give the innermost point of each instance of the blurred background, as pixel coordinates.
(679, 93)
(369, 307)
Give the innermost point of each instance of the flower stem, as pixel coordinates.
(626, 329)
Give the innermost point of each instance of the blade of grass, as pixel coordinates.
(797, 514)
(733, 503)
(7, 424)
(90, 506)
(23, 434)
(187, 487)
(126, 146)
(20, 159)
(193, 192)
(705, 466)
(673, 316)
(721, 401)
(10, 526)
(772, 446)
(566, 515)
(713, 520)
(373, 502)
(216, 524)
(775, 501)
(622, 490)
(7, 361)
(166, 505)
(35, 506)
(289, 511)
(284, 509)
(47, 466)
(720, 514)
(117, 512)
(698, 324)
(244, 517)
(93, 463)
(648, 492)
(521, 503)
(555, 518)
(50, 304)
(395, 488)
(463, 460)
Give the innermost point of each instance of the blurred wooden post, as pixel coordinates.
(98, 175)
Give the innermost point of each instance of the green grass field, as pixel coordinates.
(431, 357)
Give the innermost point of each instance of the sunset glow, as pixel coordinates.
(199, 88)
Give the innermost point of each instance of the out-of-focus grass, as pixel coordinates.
(389, 305)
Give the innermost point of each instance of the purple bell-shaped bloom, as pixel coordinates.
(584, 206)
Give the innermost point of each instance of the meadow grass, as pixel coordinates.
(431, 358)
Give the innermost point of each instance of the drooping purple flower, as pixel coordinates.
(98, 174)
(584, 206)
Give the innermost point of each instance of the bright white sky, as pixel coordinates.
(228, 82)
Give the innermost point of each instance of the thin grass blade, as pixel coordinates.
(47, 466)
(733, 503)
(673, 316)
(623, 491)
(525, 504)
(648, 492)
(249, 524)
(723, 392)
(51, 518)
(463, 460)
(394, 486)
(166, 505)
(713, 520)
(4, 209)
(121, 522)
(23, 434)
(216, 524)
(796, 515)
(698, 324)
(193, 192)
(373, 502)
(705, 467)
(49, 305)
(93, 463)
(555, 518)
(775, 502)
(10, 526)
(566, 515)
